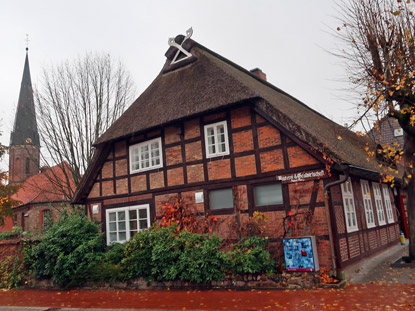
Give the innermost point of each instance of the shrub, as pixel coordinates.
(68, 250)
(200, 259)
(104, 272)
(250, 256)
(115, 253)
(151, 254)
(162, 254)
(11, 272)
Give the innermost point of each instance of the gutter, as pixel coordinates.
(345, 168)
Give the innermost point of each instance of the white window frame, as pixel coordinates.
(137, 147)
(379, 204)
(367, 203)
(348, 206)
(127, 221)
(215, 129)
(388, 204)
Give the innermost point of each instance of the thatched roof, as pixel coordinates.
(206, 82)
(210, 82)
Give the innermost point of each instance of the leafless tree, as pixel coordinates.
(76, 102)
(378, 48)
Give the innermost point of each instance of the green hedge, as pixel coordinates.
(73, 251)
(162, 254)
(68, 250)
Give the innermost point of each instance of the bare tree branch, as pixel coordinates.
(76, 102)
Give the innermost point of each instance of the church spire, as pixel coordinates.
(24, 152)
(25, 127)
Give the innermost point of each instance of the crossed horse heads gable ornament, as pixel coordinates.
(180, 48)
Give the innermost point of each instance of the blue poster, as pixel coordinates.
(300, 255)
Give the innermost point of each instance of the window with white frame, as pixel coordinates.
(378, 203)
(146, 156)
(367, 203)
(124, 222)
(388, 203)
(216, 136)
(349, 208)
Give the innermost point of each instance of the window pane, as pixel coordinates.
(122, 236)
(121, 225)
(143, 224)
(222, 198)
(212, 149)
(113, 236)
(154, 146)
(121, 215)
(133, 225)
(113, 226)
(268, 194)
(222, 147)
(133, 214)
(211, 140)
(112, 217)
(142, 213)
(210, 131)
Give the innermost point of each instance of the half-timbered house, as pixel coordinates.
(229, 142)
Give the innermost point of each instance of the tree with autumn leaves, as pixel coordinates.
(6, 192)
(378, 38)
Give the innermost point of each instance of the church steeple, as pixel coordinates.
(25, 126)
(24, 159)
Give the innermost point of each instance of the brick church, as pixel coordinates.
(230, 144)
(40, 198)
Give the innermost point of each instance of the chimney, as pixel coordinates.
(258, 72)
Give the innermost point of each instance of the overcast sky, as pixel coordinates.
(288, 40)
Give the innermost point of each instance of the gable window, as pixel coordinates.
(367, 203)
(388, 203)
(349, 208)
(122, 223)
(268, 194)
(146, 156)
(216, 136)
(221, 199)
(378, 203)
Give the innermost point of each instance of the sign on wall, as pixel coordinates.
(302, 176)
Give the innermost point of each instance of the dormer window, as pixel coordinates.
(146, 156)
(216, 136)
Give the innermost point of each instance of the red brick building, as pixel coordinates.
(41, 198)
(230, 143)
